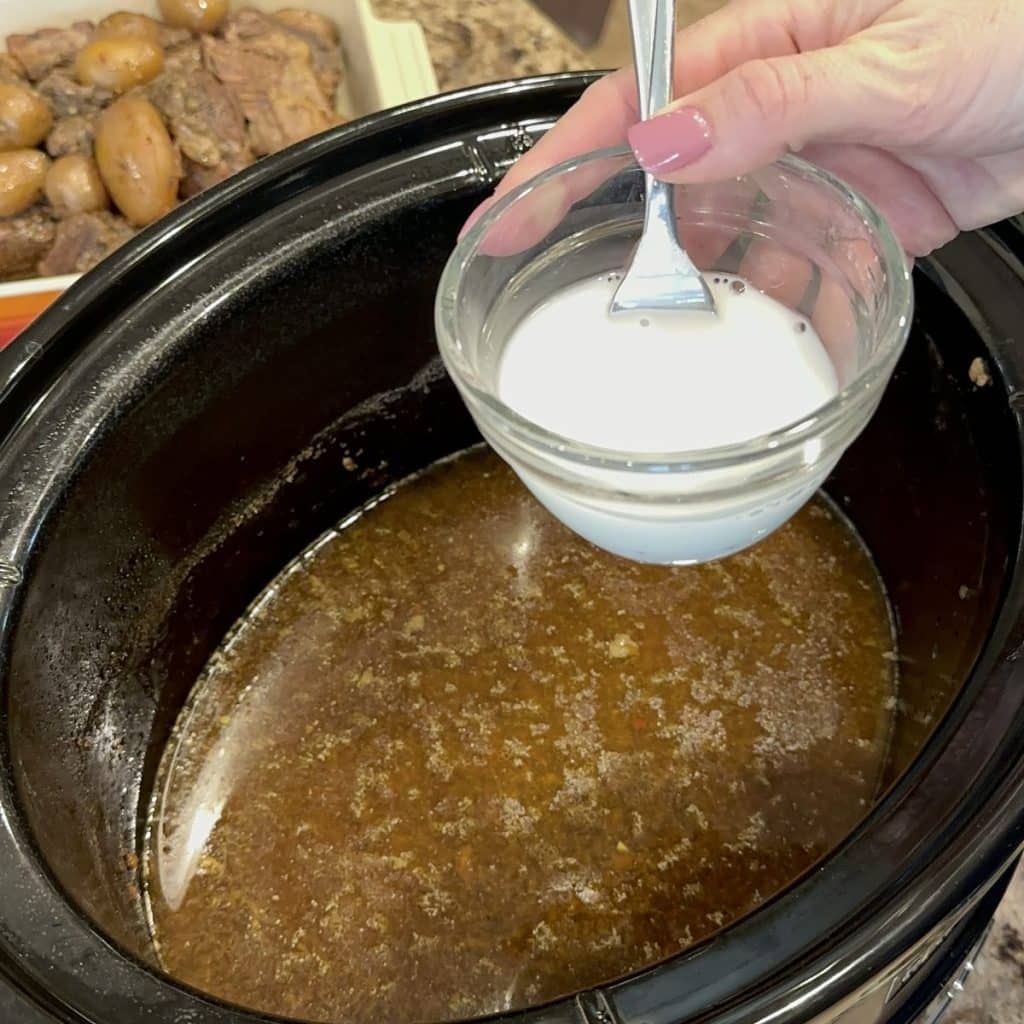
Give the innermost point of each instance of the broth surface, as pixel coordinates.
(456, 760)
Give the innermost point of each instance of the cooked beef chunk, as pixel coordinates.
(203, 116)
(260, 83)
(82, 240)
(309, 23)
(49, 48)
(10, 70)
(70, 135)
(24, 240)
(269, 70)
(168, 36)
(196, 178)
(322, 35)
(186, 58)
(69, 98)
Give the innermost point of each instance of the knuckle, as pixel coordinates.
(924, 244)
(771, 89)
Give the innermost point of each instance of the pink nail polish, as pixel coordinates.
(671, 140)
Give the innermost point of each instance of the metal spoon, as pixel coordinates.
(660, 276)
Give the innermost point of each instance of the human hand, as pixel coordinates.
(918, 104)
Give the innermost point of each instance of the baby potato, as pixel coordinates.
(137, 160)
(119, 63)
(73, 185)
(195, 15)
(127, 23)
(22, 174)
(25, 118)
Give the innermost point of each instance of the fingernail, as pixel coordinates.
(671, 140)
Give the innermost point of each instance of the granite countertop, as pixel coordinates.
(995, 992)
(476, 41)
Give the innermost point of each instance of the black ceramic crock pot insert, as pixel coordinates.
(171, 433)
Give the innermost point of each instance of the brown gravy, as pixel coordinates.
(456, 760)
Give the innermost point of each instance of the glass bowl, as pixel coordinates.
(792, 230)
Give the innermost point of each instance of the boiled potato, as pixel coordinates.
(22, 174)
(137, 160)
(195, 15)
(127, 23)
(25, 119)
(73, 185)
(119, 63)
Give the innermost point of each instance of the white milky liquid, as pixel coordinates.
(664, 382)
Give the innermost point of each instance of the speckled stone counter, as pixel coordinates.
(475, 41)
(995, 992)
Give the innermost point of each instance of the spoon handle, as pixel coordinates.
(653, 28)
(641, 30)
(660, 275)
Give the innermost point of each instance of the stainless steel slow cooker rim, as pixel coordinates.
(162, 995)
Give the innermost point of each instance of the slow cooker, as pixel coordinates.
(172, 434)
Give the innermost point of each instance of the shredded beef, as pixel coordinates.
(24, 240)
(49, 48)
(269, 71)
(82, 240)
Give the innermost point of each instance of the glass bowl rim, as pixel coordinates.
(846, 402)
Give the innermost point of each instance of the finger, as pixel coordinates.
(902, 195)
(527, 222)
(705, 50)
(535, 215)
(598, 120)
(778, 271)
(766, 107)
(739, 32)
(978, 191)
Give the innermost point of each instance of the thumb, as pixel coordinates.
(759, 110)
